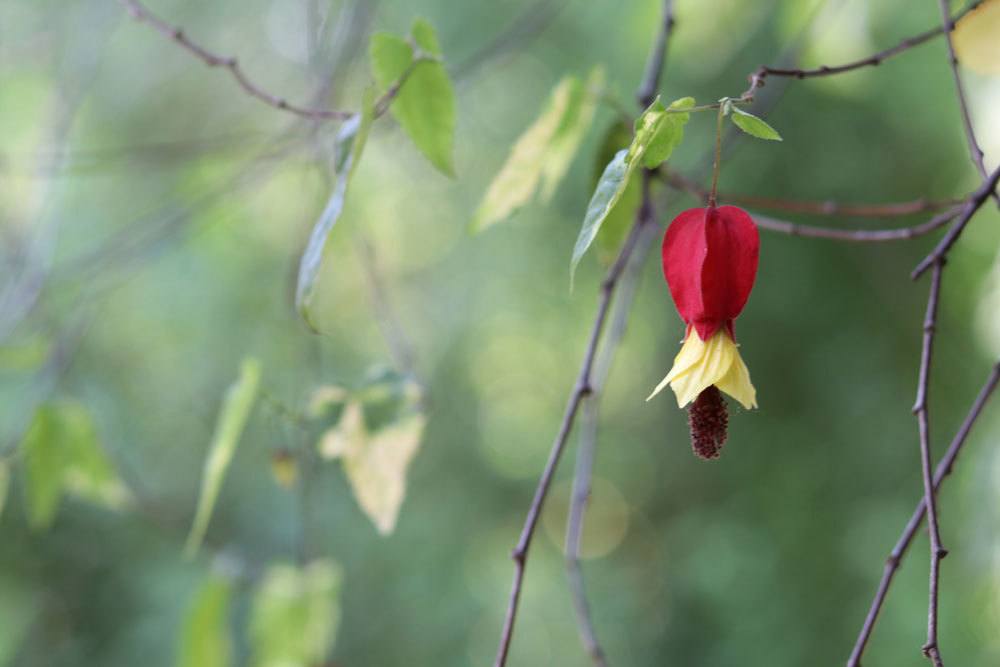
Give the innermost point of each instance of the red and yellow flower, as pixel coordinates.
(710, 263)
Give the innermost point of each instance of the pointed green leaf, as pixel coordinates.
(621, 216)
(295, 614)
(615, 179)
(43, 468)
(609, 190)
(233, 416)
(205, 639)
(670, 134)
(753, 126)
(63, 455)
(425, 104)
(349, 144)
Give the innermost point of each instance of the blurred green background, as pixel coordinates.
(152, 218)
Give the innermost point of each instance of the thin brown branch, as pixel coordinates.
(975, 151)
(143, 15)
(657, 57)
(856, 235)
(826, 207)
(758, 77)
(581, 389)
(972, 204)
(920, 409)
(809, 231)
(588, 444)
(895, 558)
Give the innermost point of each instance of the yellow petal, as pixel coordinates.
(737, 384)
(699, 365)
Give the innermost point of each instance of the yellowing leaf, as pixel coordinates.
(977, 38)
(205, 640)
(376, 462)
(295, 614)
(233, 416)
(572, 129)
(543, 153)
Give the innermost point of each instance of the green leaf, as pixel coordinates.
(753, 126)
(610, 187)
(295, 614)
(63, 455)
(233, 416)
(615, 179)
(670, 134)
(205, 640)
(349, 144)
(425, 104)
(377, 451)
(622, 214)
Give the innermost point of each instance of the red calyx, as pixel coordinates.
(710, 263)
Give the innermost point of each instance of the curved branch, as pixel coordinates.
(920, 409)
(827, 207)
(857, 235)
(758, 77)
(895, 558)
(975, 151)
(143, 15)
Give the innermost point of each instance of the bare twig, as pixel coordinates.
(827, 207)
(975, 151)
(143, 15)
(972, 204)
(582, 388)
(588, 443)
(758, 77)
(657, 57)
(856, 235)
(920, 409)
(895, 558)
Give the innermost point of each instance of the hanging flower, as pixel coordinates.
(710, 263)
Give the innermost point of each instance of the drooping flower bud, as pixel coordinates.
(710, 263)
